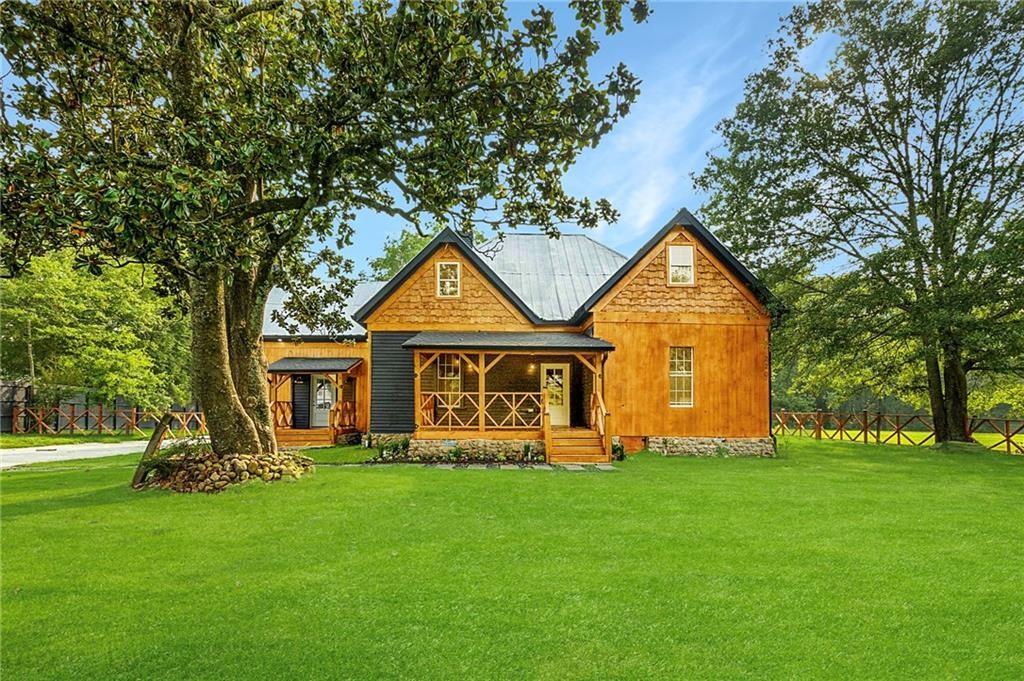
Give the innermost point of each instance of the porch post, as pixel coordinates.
(482, 373)
(418, 405)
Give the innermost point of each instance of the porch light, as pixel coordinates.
(531, 368)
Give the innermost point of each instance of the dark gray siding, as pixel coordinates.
(392, 385)
(300, 401)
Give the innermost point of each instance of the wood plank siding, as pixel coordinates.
(358, 389)
(718, 317)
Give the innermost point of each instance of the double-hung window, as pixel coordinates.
(449, 374)
(680, 266)
(680, 377)
(449, 279)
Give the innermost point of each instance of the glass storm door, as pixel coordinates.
(323, 400)
(555, 378)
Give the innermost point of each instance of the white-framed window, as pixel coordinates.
(680, 266)
(449, 279)
(680, 377)
(449, 374)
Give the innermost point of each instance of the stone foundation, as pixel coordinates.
(711, 446)
(378, 439)
(489, 450)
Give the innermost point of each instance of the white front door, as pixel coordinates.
(322, 399)
(555, 379)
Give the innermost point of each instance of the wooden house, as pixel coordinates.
(560, 344)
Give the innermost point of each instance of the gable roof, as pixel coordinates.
(550, 281)
(450, 237)
(684, 219)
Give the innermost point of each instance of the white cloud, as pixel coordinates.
(643, 166)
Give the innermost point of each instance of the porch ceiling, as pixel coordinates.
(494, 340)
(291, 365)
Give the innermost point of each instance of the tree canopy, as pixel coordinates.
(231, 144)
(885, 192)
(109, 335)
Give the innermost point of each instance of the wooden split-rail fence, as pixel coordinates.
(70, 418)
(900, 429)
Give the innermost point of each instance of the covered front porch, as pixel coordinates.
(313, 399)
(545, 387)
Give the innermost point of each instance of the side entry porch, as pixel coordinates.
(313, 399)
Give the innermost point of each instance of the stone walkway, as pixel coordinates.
(575, 467)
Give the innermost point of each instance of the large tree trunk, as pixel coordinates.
(232, 430)
(936, 398)
(947, 394)
(955, 380)
(246, 299)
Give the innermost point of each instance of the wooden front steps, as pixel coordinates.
(303, 437)
(576, 445)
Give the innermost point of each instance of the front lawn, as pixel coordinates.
(834, 560)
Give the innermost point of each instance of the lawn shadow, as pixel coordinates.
(102, 496)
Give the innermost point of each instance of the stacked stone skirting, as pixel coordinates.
(711, 446)
(483, 450)
(384, 439)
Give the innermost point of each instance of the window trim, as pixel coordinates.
(693, 265)
(674, 374)
(458, 278)
(457, 359)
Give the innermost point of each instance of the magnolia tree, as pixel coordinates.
(885, 192)
(231, 143)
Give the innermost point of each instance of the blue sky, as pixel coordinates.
(692, 59)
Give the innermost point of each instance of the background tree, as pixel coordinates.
(222, 141)
(108, 335)
(886, 191)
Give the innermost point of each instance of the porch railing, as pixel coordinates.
(599, 417)
(462, 411)
(342, 415)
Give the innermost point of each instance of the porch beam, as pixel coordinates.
(420, 366)
(463, 356)
(585, 362)
(501, 355)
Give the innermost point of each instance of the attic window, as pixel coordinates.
(449, 279)
(680, 265)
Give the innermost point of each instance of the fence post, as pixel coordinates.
(878, 428)
(16, 424)
(99, 418)
(817, 425)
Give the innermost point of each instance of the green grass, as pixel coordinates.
(985, 439)
(834, 560)
(339, 454)
(17, 440)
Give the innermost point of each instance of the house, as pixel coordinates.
(561, 344)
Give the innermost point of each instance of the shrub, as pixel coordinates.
(618, 451)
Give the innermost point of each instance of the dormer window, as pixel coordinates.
(680, 266)
(449, 279)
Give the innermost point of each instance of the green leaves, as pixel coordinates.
(883, 190)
